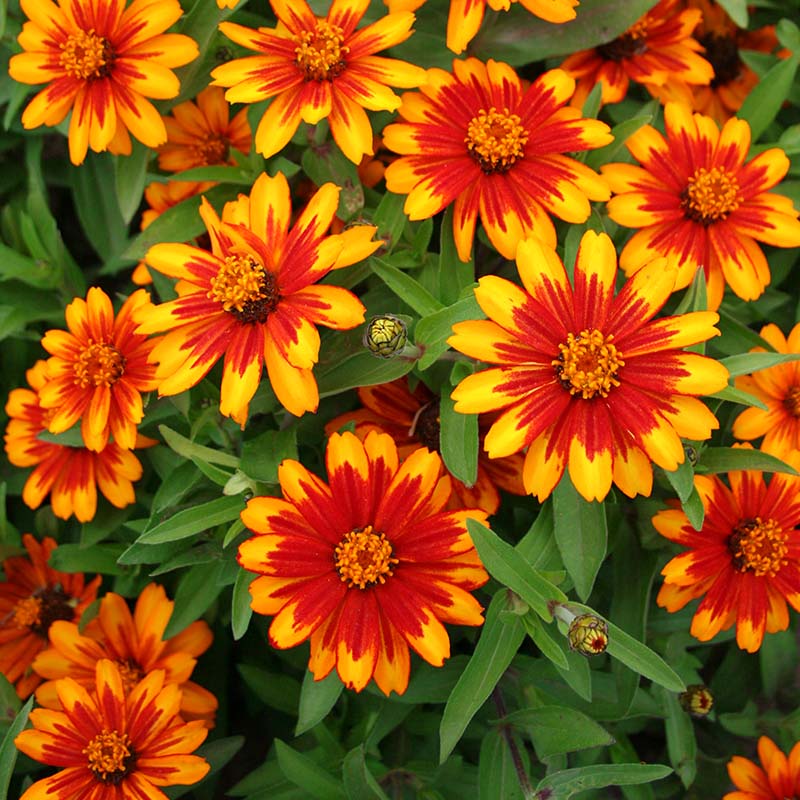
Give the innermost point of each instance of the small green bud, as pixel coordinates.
(588, 635)
(697, 700)
(385, 336)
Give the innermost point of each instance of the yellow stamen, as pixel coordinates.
(86, 55)
(245, 289)
(110, 756)
(496, 140)
(320, 54)
(213, 150)
(364, 558)
(130, 672)
(792, 401)
(27, 612)
(98, 365)
(588, 364)
(758, 546)
(710, 195)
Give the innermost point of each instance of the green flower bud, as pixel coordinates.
(697, 700)
(588, 635)
(385, 336)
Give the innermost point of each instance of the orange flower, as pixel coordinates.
(71, 475)
(101, 60)
(135, 643)
(778, 777)
(111, 745)
(203, 134)
(319, 68)
(32, 597)
(98, 371)
(365, 565)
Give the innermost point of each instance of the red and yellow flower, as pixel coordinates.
(365, 565)
(71, 475)
(657, 50)
(477, 139)
(745, 562)
(101, 60)
(113, 745)
(32, 597)
(202, 133)
(412, 420)
(695, 201)
(97, 371)
(135, 643)
(587, 380)
(778, 388)
(254, 299)
(778, 777)
(319, 68)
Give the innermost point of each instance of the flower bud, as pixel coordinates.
(385, 336)
(588, 635)
(691, 454)
(697, 700)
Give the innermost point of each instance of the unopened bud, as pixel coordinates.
(697, 700)
(588, 635)
(691, 454)
(385, 336)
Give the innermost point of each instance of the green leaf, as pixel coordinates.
(405, 287)
(497, 775)
(97, 558)
(194, 520)
(458, 435)
(317, 698)
(734, 395)
(621, 132)
(788, 34)
(581, 535)
(559, 729)
(8, 750)
(277, 691)
(130, 175)
(262, 456)
(544, 640)
(454, 275)
(218, 174)
(241, 612)
(390, 218)
(39, 273)
(326, 163)
(566, 783)
(196, 592)
(503, 562)
(725, 459)
(681, 743)
(338, 375)
(307, 774)
(737, 10)
(498, 643)
(761, 106)
(217, 753)
(188, 449)
(359, 783)
(682, 480)
(694, 510)
(432, 332)
(745, 363)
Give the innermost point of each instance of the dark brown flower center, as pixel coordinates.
(98, 364)
(364, 558)
(710, 195)
(245, 289)
(111, 757)
(588, 363)
(758, 546)
(632, 43)
(39, 611)
(87, 56)
(496, 140)
(792, 401)
(722, 52)
(426, 428)
(320, 54)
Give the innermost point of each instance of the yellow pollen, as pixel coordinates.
(758, 546)
(130, 672)
(27, 612)
(711, 194)
(792, 401)
(86, 55)
(238, 282)
(214, 150)
(364, 558)
(320, 54)
(98, 365)
(588, 364)
(109, 755)
(496, 140)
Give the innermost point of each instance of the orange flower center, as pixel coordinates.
(710, 195)
(758, 546)
(320, 53)
(98, 365)
(27, 611)
(588, 364)
(632, 43)
(130, 672)
(111, 756)
(39, 611)
(792, 401)
(86, 55)
(245, 289)
(215, 149)
(364, 558)
(496, 140)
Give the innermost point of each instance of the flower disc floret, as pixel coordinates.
(110, 756)
(710, 195)
(759, 546)
(320, 54)
(364, 558)
(588, 363)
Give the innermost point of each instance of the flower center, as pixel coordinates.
(496, 140)
(758, 546)
(111, 756)
(710, 195)
(39, 611)
(320, 53)
(722, 53)
(86, 55)
(245, 289)
(792, 401)
(426, 426)
(98, 365)
(215, 149)
(130, 672)
(588, 364)
(632, 43)
(364, 558)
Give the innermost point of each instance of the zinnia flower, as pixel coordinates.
(365, 565)
(745, 560)
(656, 50)
(778, 388)
(32, 597)
(412, 419)
(111, 745)
(696, 201)
(253, 299)
(586, 379)
(98, 370)
(778, 777)
(135, 643)
(71, 475)
(202, 134)
(101, 60)
(318, 68)
(477, 139)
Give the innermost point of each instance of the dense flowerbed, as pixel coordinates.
(403, 399)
